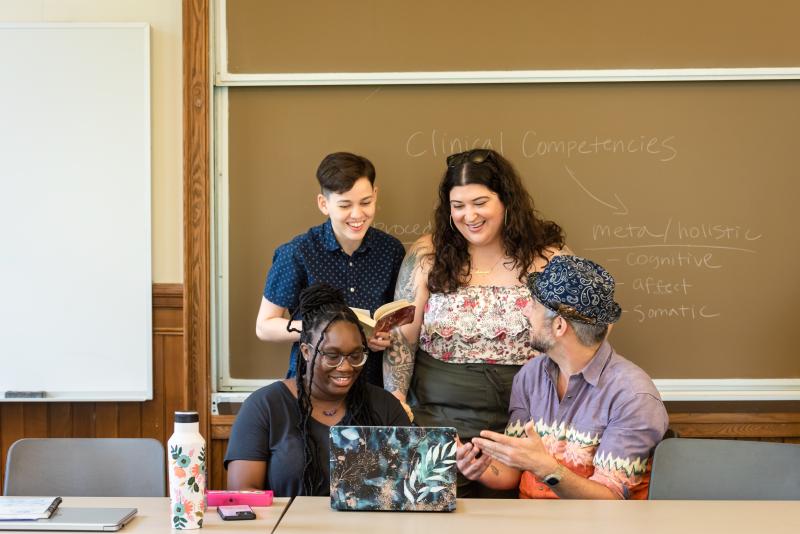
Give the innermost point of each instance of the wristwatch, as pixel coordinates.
(555, 477)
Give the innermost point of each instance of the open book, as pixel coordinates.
(28, 508)
(386, 317)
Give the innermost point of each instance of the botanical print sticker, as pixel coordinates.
(393, 468)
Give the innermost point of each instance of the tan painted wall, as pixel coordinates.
(164, 17)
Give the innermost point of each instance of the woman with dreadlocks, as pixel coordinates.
(280, 438)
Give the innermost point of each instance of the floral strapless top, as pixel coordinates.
(478, 324)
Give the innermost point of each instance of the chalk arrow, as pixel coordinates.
(620, 209)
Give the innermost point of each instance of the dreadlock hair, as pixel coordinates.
(320, 306)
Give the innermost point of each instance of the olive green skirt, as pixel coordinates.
(469, 396)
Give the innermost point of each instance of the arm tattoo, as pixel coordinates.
(398, 358)
(404, 289)
(398, 363)
(495, 470)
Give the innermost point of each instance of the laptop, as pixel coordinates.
(393, 468)
(84, 519)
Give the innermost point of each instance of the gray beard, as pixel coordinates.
(540, 345)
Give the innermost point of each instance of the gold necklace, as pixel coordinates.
(479, 271)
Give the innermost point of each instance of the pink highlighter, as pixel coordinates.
(228, 498)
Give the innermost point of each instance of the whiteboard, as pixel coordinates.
(75, 273)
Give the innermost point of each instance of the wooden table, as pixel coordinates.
(485, 516)
(154, 515)
(482, 516)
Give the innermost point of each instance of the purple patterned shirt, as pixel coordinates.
(604, 429)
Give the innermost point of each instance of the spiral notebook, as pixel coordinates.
(393, 468)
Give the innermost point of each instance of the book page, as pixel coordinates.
(390, 307)
(364, 317)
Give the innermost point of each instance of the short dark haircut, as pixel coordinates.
(339, 171)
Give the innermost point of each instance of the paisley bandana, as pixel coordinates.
(577, 289)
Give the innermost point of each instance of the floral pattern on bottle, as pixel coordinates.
(187, 473)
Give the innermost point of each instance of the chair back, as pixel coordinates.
(86, 467)
(716, 469)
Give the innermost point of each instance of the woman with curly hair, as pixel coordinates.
(280, 440)
(455, 363)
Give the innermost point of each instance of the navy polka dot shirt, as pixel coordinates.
(367, 278)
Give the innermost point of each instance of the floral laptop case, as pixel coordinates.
(393, 468)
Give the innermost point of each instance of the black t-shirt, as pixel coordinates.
(266, 430)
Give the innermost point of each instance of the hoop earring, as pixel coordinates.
(451, 223)
(505, 217)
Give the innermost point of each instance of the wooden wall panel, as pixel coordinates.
(11, 429)
(759, 426)
(34, 423)
(151, 419)
(196, 205)
(59, 420)
(106, 419)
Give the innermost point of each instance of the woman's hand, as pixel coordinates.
(379, 341)
(407, 408)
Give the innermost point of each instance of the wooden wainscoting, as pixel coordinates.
(150, 419)
(780, 423)
(757, 421)
(220, 432)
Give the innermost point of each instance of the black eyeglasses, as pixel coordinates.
(332, 360)
(477, 156)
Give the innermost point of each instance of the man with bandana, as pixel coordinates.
(583, 420)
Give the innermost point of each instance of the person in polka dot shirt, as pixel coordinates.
(345, 252)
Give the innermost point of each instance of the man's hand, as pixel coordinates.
(529, 454)
(526, 453)
(468, 462)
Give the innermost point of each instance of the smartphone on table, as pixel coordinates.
(238, 512)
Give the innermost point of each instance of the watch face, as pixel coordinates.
(551, 480)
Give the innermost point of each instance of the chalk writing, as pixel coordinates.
(668, 245)
(675, 245)
(619, 208)
(715, 231)
(627, 231)
(679, 231)
(657, 286)
(439, 143)
(677, 259)
(406, 233)
(662, 148)
(690, 312)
